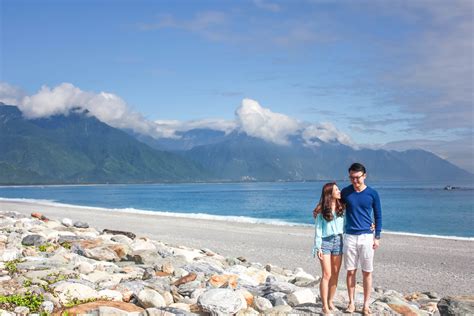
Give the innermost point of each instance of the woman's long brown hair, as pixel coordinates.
(324, 205)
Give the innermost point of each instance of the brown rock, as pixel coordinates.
(248, 296)
(90, 243)
(401, 309)
(161, 273)
(88, 308)
(167, 267)
(39, 216)
(121, 250)
(195, 308)
(223, 280)
(188, 278)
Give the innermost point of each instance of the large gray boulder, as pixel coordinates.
(220, 302)
(456, 305)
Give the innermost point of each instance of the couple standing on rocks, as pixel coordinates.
(344, 225)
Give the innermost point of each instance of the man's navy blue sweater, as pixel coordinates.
(359, 207)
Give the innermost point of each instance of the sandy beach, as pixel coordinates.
(403, 263)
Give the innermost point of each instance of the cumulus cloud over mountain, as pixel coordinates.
(262, 123)
(250, 117)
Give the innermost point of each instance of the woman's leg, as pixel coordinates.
(324, 283)
(336, 261)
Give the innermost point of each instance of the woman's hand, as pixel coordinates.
(320, 254)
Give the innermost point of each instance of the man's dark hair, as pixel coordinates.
(356, 167)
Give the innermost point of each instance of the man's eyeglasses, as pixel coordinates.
(356, 177)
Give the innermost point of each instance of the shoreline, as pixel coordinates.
(403, 263)
(210, 217)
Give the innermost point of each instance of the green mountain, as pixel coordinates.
(78, 148)
(242, 157)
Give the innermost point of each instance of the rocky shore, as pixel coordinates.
(65, 267)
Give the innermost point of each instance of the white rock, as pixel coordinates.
(88, 234)
(180, 272)
(67, 222)
(303, 275)
(6, 313)
(188, 254)
(300, 297)
(111, 295)
(262, 304)
(10, 254)
(67, 292)
(256, 274)
(182, 306)
(241, 295)
(236, 269)
(248, 312)
(21, 310)
(104, 278)
(84, 267)
(197, 292)
(140, 244)
(150, 298)
(220, 301)
(167, 297)
(47, 306)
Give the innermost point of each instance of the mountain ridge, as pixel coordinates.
(78, 148)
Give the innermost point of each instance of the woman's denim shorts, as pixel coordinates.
(332, 245)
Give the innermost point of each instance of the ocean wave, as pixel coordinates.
(428, 236)
(239, 219)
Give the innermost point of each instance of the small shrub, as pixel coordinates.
(11, 266)
(31, 300)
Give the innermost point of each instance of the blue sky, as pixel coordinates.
(388, 74)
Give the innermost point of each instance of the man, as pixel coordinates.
(359, 240)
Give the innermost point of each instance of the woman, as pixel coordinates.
(328, 242)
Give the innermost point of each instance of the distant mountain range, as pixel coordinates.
(78, 148)
(237, 156)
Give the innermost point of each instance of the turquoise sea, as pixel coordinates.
(416, 208)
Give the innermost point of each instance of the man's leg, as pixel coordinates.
(367, 264)
(367, 281)
(351, 282)
(351, 258)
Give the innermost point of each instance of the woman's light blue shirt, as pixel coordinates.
(323, 228)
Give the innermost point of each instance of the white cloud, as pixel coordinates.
(168, 128)
(326, 132)
(10, 95)
(262, 123)
(109, 108)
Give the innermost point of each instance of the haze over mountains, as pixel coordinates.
(78, 148)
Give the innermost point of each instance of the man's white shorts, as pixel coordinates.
(359, 252)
